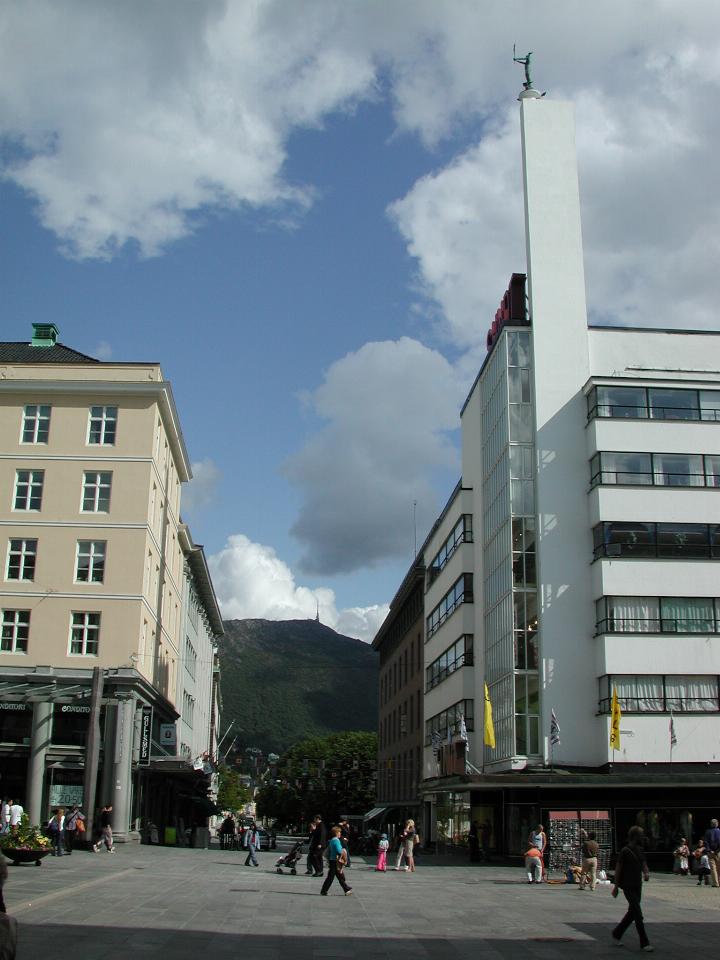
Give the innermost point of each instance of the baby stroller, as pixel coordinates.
(290, 859)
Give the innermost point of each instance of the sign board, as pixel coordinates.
(145, 735)
(66, 795)
(168, 736)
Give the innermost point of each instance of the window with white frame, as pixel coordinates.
(28, 489)
(188, 708)
(15, 631)
(96, 492)
(90, 561)
(85, 634)
(102, 425)
(190, 657)
(36, 423)
(21, 559)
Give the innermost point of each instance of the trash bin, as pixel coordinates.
(170, 836)
(201, 838)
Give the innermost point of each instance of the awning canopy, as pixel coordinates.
(375, 812)
(206, 806)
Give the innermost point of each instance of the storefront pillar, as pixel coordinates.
(39, 743)
(122, 771)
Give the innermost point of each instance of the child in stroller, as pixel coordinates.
(290, 859)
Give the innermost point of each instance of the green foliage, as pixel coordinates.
(26, 837)
(331, 775)
(283, 681)
(233, 794)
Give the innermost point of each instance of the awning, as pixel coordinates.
(207, 807)
(375, 812)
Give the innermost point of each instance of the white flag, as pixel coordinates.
(463, 729)
(673, 738)
(554, 729)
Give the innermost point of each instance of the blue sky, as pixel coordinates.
(307, 212)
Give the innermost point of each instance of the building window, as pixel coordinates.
(461, 533)
(657, 615)
(96, 492)
(15, 631)
(525, 620)
(523, 545)
(90, 564)
(85, 634)
(188, 708)
(683, 541)
(28, 489)
(21, 560)
(190, 657)
(654, 403)
(449, 720)
(460, 592)
(36, 423)
(661, 694)
(102, 425)
(460, 654)
(655, 469)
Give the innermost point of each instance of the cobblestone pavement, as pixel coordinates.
(155, 902)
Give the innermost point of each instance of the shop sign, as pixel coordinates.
(145, 734)
(13, 706)
(66, 794)
(70, 708)
(168, 736)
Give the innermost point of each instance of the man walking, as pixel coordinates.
(712, 846)
(336, 862)
(106, 834)
(252, 842)
(318, 839)
(590, 851)
(630, 871)
(16, 812)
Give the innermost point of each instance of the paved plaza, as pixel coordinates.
(148, 902)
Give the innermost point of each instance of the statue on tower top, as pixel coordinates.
(528, 92)
(525, 61)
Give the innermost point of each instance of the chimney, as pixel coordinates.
(44, 335)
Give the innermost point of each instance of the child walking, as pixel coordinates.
(381, 865)
(703, 865)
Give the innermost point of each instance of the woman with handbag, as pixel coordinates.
(74, 828)
(337, 858)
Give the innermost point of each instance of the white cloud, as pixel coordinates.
(251, 581)
(389, 409)
(201, 490)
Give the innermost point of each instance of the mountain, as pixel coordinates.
(285, 680)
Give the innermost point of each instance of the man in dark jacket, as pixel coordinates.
(712, 845)
(630, 871)
(318, 842)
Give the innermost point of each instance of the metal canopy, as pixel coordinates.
(54, 692)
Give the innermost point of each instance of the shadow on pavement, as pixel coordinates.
(323, 939)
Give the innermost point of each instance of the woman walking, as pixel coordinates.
(57, 832)
(336, 862)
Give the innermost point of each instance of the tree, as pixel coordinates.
(331, 775)
(233, 794)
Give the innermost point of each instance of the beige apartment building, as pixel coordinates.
(98, 573)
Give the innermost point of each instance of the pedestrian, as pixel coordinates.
(682, 858)
(16, 812)
(630, 871)
(712, 848)
(383, 844)
(401, 846)
(702, 865)
(533, 865)
(345, 835)
(56, 827)
(336, 862)
(252, 844)
(8, 925)
(3, 881)
(106, 834)
(538, 839)
(411, 838)
(318, 840)
(227, 830)
(5, 815)
(474, 842)
(74, 828)
(590, 851)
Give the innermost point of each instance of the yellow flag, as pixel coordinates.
(489, 728)
(615, 715)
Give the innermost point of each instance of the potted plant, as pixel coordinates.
(26, 844)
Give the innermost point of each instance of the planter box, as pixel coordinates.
(25, 856)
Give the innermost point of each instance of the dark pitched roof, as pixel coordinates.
(26, 353)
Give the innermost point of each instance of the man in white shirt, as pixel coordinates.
(16, 812)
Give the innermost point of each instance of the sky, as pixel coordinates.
(307, 211)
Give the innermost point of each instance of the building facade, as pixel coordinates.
(590, 479)
(97, 575)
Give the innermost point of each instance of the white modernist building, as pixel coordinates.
(580, 554)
